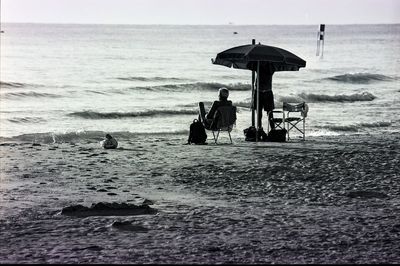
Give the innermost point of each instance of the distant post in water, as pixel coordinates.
(321, 40)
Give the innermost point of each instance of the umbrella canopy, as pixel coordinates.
(247, 56)
(255, 57)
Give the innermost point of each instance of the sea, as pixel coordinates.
(71, 82)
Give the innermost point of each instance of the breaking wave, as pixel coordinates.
(365, 96)
(118, 115)
(11, 84)
(358, 127)
(16, 95)
(147, 79)
(4, 84)
(26, 120)
(360, 78)
(212, 86)
(314, 98)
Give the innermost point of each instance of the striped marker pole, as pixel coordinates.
(321, 40)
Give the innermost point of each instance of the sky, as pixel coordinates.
(198, 12)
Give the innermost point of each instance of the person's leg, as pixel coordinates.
(202, 112)
(202, 116)
(259, 111)
(269, 107)
(270, 119)
(259, 116)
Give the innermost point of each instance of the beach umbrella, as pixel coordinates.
(253, 56)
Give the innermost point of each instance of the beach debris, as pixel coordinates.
(8, 144)
(93, 248)
(27, 176)
(109, 142)
(148, 202)
(108, 209)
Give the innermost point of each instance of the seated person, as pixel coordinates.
(207, 118)
(109, 142)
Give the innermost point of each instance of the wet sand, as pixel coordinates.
(325, 200)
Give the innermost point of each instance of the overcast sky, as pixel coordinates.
(202, 11)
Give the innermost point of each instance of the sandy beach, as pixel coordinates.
(325, 200)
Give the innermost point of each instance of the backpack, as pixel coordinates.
(277, 135)
(250, 134)
(197, 133)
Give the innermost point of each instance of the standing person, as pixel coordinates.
(208, 118)
(266, 95)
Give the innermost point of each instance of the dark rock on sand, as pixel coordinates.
(366, 194)
(108, 209)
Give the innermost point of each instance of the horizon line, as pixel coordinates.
(167, 24)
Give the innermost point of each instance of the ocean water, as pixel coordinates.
(66, 81)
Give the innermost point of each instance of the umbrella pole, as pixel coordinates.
(253, 123)
(258, 99)
(253, 112)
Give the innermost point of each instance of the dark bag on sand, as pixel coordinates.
(277, 135)
(197, 133)
(250, 134)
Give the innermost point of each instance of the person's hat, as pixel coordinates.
(223, 92)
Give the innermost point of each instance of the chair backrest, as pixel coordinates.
(296, 107)
(225, 118)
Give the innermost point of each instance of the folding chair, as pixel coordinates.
(224, 120)
(292, 122)
(279, 122)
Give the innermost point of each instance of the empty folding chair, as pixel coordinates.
(294, 122)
